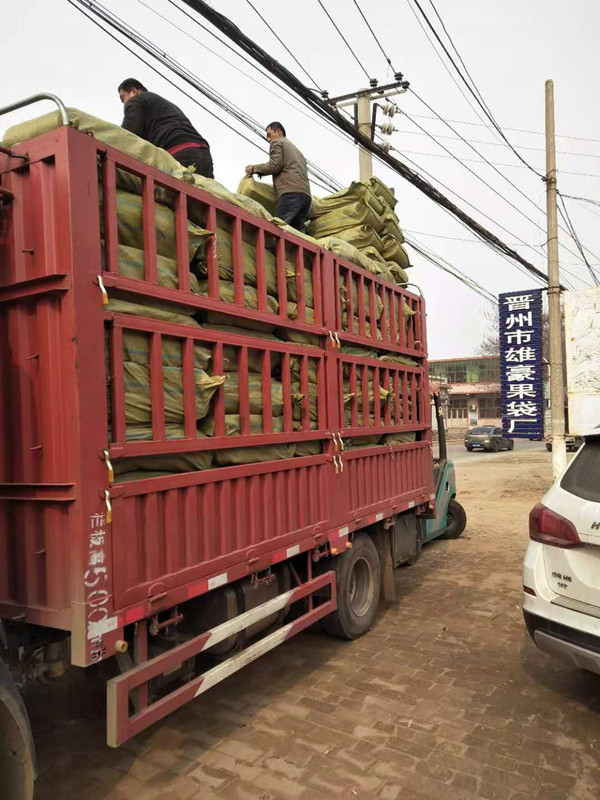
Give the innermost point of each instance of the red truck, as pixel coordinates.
(185, 578)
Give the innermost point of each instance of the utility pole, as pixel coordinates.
(557, 389)
(365, 158)
(366, 105)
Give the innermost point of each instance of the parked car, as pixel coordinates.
(488, 438)
(561, 572)
(573, 444)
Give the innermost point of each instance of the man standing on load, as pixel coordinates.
(287, 165)
(164, 125)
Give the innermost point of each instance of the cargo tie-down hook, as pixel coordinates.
(111, 472)
(103, 290)
(108, 506)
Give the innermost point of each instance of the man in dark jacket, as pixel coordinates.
(164, 125)
(287, 165)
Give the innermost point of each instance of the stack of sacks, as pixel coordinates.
(247, 455)
(301, 407)
(350, 394)
(385, 398)
(136, 346)
(130, 234)
(138, 401)
(363, 215)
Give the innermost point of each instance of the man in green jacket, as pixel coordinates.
(287, 165)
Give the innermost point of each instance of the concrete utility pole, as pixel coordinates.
(557, 388)
(365, 158)
(365, 116)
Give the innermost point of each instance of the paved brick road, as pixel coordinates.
(445, 699)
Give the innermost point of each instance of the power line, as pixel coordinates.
(461, 138)
(385, 55)
(502, 175)
(324, 109)
(479, 178)
(481, 238)
(332, 127)
(449, 71)
(283, 44)
(513, 130)
(154, 69)
(583, 199)
(445, 266)
(485, 160)
(359, 62)
(459, 238)
(477, 241)
(496, 192)
(475, 92)
(297, 108)
(565, 215)
(451, 155)
(320, 177)
(432, 4)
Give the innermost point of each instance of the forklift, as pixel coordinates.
(450, 517)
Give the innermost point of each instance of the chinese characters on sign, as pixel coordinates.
(521, 379)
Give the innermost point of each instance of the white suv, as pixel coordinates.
(561, 572)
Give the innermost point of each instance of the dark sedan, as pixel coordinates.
(488, 438)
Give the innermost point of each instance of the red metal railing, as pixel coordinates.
(374, 313)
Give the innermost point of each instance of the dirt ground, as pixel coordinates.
(446, 698)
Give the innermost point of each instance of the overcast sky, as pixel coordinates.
(510, 48)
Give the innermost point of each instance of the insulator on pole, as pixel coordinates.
(385, 146)
(389, 109)
(387, 128)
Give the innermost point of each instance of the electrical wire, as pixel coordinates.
(450, 73)
(539, 276)
(374, 35)
(502, 175)
(475, 92)
(297, 108)
(461, 138)
(451, 155)
(330, 125)
(457, 238)
(513, 130)
(319, 176)
(357, 59)
(485, 160)
(445, 266)
(283, 44)
(476, 175)
(324, 109)
(229, 47)
(583, 199)
(432, 4)
(565, 215)
(154, 69)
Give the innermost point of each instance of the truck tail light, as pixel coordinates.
(547, 527)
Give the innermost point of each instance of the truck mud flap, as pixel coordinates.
(122, 725)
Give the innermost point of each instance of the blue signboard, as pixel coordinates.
(521, 378)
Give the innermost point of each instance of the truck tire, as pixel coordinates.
(17, 755)
(457, 521)
(358, 579)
